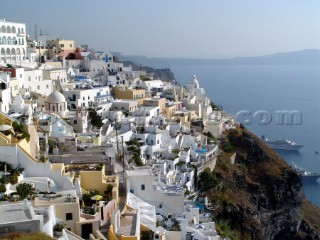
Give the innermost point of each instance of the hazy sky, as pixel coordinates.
(172, 28)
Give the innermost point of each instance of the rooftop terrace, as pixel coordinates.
(128, 223)
(14, 213)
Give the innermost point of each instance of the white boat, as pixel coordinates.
(305, 174)
(282, 144)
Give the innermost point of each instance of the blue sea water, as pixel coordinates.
(269, 89)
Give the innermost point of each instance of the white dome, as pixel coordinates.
(193, 80)
(56, 97)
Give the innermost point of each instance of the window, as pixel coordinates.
(143, 187)
(71, 45)
(75, 122)
(38, 87)
(62, 45)
(68, 216)
(132, 190)
(47, 86)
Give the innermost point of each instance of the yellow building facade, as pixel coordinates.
(155, 102)
(97, 180)
(59, 45)
(127, 93)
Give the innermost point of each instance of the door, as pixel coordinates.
(86, 230)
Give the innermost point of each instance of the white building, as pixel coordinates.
(20, 217)
(214, 123)
(34, 82)
(13, 42)
(5, 92)
(167, 199)
(20, 106)
(84, 96)
(156, 87)
(55, 126)
(56, 74)
(124, 105)
(197, 226)
(197, 100)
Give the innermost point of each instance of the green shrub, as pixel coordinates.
(243, 168)
(25, 190)
(208, 179)
(58, 227)
(17, 127)
(225, 231)
(2, 188)
(14, 178)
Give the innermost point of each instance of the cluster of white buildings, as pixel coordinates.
(52, 88)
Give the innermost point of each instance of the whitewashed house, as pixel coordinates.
(83, 95)
(35, 82)
(5, 92)
(167, 199)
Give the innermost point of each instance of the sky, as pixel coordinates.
(173, 28)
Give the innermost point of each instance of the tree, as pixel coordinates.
(95, 118)
(17, 127)
(2, 188)
(208, 179)
(25, 190)
(195, 179)
(134, 149)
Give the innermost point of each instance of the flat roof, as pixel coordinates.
(128, 223)
(139, 172)
(14, 213)
(49, 199)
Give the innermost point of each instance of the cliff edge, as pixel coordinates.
(259, 196)
(163, 74)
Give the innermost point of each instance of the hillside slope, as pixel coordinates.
(260, 196)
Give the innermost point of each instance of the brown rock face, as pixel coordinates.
(261, 196)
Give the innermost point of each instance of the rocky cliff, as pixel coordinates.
(260, 196)
(164, 74)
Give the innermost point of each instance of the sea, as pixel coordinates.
(257, 94)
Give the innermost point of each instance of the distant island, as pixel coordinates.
(303, 57)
